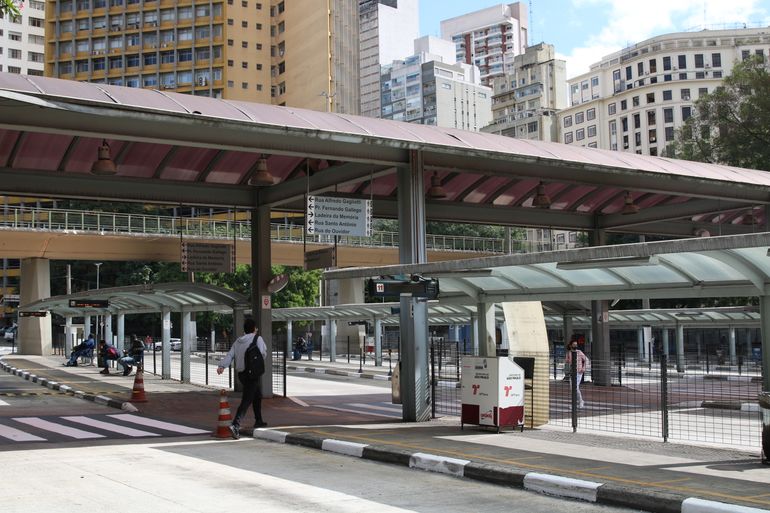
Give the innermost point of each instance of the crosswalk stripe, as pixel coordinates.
(394, 410)
(57, 428)
(106, 426)
(3, 403)
(348, 410)
(177, 428)
(17, 435)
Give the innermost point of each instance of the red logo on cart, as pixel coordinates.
(507, 390)
(476, 388)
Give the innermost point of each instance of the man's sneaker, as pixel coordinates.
(105, 371)
(235, 431)
(127, 370)
(260, 425)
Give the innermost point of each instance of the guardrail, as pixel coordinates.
(25, 218)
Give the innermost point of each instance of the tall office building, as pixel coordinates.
(288, 53)
(489, 38)
(635, 99)
(528, 97)
(388, 29)
(429, 89)
(23, 45)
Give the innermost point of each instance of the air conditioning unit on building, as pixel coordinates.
(675, 68)
(708, 66)
(165, 45)
(202, 81)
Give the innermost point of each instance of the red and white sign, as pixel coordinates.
(492, 392)
(266, 303)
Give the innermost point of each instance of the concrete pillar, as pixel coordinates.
(108, 328)
(121, 332)
(475, 334)
(68, 337)
(213, 339)
(186, 337)
(680, 348)
(600, 344)
(347, 292)
(764, 313)
(377, 342)
(289, 337)
(641, 349)
(733, 359)
(749, 354)
(165, 365)
(486, 329)
(86, 326)
(567, 328)
(332, 339)
(454, 331)
(34, 333)
(665, 341)
(413, 325)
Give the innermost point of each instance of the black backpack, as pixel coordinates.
(255, 363)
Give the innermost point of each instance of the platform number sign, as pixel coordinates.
(380, 287)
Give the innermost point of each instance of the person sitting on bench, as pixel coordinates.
(85, 348)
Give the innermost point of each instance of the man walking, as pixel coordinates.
(252, 391)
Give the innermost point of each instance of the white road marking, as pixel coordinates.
(168, 426)
(359, 412)
(57, 428)
(394, 409)
(3, 403)
(106, 426)
(18, 435)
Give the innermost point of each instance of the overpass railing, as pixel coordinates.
(26, 218)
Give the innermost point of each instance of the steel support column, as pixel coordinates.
(186, 339)
(165, 370)
(486, 328)
(260, 296)
(764, 313)
(415, 386)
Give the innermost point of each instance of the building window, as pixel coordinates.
(650, 98)
(716, 60)
(653, 66)
(667, 78)
(654, 152)
(245, 24)
(579, 118)
(14, 53)
(592, 131)
(682, 61)
(259, 26)
(281, 28)
(230, 42)
(700, 75)
(635, 101)
(624, 123)
(244, 3)
(244, 85)
(685, 95)
(652, 136)
(702, 91)
(698, 60)
(567, 121)
(230, 83)
(623, 104)
(683, 76)
(35, 22)
(591, 114)
(668, 115)
(568, 138)
(717, 74)
(580, 134)
(669, 133)
(532, 127)
(650, 118)
(686, 113)
(259, 46)
(629, 73)
(230, 22)
(611, 109)
(667, 95)
(230, 62)
(637, 120)
(259, 67)
(666, 63)
(625, 142)
(244, 44)
(259, 87)
(640, 68)
(638, 139)
(244, 65)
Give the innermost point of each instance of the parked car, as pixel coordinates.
(10, 333)
(176, 344)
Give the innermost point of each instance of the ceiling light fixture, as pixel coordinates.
(629, 208)
(261, 176)
(103, 165)
(542, 200)
(436, 190)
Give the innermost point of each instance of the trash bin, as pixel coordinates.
(764, 411)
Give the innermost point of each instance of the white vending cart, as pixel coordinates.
(492, 392)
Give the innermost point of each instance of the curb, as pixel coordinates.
(337, 372)
(559, 486)
(66, 389)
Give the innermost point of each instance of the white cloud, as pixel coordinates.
(632, 22)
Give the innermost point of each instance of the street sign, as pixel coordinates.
(207, 258)
(89, 303)
(327, 215)
(266, 305)
(321, 258)
(416, 287)
(33, 314)
(277, 283)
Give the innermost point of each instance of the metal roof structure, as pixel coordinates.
(152, 298)
(195, 150)
(704, 267)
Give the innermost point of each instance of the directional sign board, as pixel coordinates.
(89, 303)
(207, 258)
(327, 215)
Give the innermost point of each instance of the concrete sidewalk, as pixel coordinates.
(625, 471)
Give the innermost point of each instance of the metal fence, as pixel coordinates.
(697, 403)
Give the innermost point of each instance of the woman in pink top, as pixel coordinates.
(582, 362)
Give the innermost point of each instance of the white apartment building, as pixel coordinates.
(429, 89)
(388, 29)
(635, 99)
(489, 38)
(22, 40)
(527, 98)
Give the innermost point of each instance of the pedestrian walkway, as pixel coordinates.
(625, 471)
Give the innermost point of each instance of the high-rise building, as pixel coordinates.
(527, 98)
(295, 53)
(388, 29)
(635, 99)
(489, 38)
(23, 47)
(429, 89)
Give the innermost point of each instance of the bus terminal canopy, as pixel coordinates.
(736, 266)
(139, 299)
(193, 150)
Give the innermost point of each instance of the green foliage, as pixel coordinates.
(456, 229)
(10, 7)
(731, 125)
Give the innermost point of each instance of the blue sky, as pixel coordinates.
(584, 31)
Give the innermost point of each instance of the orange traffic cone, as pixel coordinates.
(137, 394)
(225, 419)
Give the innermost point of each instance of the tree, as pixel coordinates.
(730, 125)
(11, 7)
